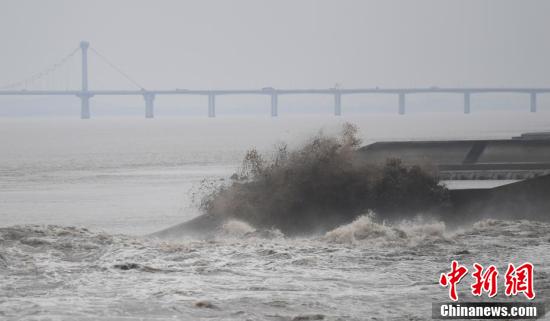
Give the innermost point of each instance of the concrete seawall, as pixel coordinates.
(528, 199)
(469, 159)
(525, 158)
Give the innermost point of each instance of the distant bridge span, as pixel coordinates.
(149, 95)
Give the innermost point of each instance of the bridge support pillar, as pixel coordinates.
(84, 104)
(211, 105)
(401, 103)
(274, 105)
(85, 107)
(466, 103)
(337, 104)
(149, 105)
(533, 102)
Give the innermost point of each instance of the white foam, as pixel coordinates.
(237, 228)
(365, 229)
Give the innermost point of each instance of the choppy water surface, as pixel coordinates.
(363, 271)
(76, 196)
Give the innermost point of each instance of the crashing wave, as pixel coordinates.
(365, 229)
(317, 186)
(240, 229)
(236, 228)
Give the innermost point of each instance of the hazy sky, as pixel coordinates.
(287, 44)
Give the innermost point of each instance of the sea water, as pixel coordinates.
(77, 199)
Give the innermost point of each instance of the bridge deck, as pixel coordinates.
(270, 91)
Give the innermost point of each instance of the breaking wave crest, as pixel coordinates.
(365, 230)
(237, 228)
(240, 229)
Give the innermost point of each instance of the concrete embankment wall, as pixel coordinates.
(461, 152)
(529, 157)
(529, 199)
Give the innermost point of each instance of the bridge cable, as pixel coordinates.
(120, 71)
(40, 75)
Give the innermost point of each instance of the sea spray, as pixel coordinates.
(236, 228)
(320, 185)
(366, 230)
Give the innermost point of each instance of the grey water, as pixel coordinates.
(77, 199)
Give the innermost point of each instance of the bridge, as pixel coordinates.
(84, 93)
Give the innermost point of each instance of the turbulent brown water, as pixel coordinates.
(361, 271)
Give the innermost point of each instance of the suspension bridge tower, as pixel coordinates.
(84, 93)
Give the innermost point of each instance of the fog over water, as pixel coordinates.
(282, 44)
